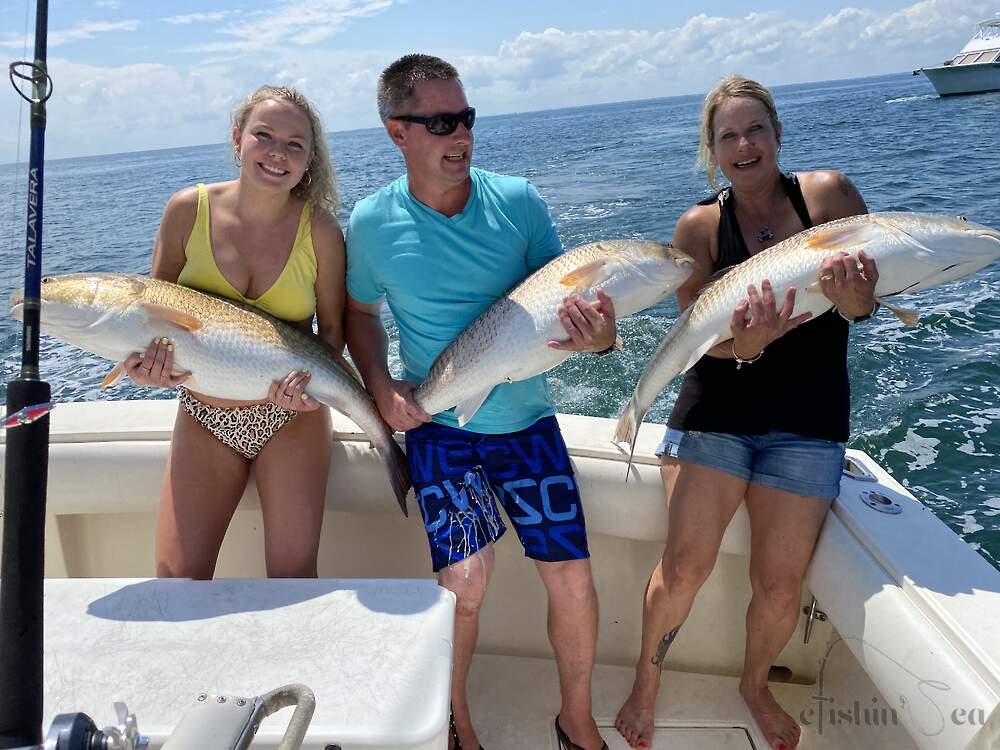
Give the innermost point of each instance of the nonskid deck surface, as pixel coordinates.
(514, 701)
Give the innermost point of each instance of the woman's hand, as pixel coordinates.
(765, 322)
(155, 366)
(290, 393)
(851, 289)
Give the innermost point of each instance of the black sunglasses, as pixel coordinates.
(443, 124)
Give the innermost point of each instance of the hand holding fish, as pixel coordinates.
(155, 367)
(850, 288)
(290, 393)
(756, 321)
(590, 327)
(397, 406)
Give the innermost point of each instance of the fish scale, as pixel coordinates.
(509, 340)
(912, 252)
(233, 351)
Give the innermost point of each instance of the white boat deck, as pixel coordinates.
(514, 702)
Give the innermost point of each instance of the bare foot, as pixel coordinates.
(780, 729)
(636, 717)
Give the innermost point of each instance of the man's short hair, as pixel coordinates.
(396, 84)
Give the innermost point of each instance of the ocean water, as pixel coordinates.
(926, 400)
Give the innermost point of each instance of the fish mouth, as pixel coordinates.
(680, 257)
(17, 298)
(989, 234)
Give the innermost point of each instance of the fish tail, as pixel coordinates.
(398, 470)
(628, 425)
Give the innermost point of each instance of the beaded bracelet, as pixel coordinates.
(740, 361)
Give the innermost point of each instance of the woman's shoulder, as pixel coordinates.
(185, 201)
(700, 221)
(830, 195)
(327, 235)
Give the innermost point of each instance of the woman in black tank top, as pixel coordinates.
(762, 417)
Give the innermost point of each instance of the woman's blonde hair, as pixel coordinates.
(319, 183)
(729, 87)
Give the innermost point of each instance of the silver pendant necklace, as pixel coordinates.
(764, 235)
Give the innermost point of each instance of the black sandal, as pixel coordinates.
(565, 743)
(454, 733)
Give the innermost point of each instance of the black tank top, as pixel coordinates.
(799, 385)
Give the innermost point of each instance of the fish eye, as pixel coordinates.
(963, 218)
(46, 279)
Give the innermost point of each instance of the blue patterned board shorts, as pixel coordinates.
(459, 477)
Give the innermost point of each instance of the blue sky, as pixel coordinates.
(134, 75)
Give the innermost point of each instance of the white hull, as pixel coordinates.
(911, 607)
(951, 80)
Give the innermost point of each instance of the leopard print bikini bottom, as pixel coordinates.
(245, 429)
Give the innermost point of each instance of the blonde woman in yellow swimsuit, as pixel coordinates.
(268, 239)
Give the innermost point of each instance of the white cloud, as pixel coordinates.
(105, 109)
(296, 22)
(197, 17)
(83, 30)
(110, 4)
(555, 68)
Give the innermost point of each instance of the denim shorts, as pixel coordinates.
(801, 465)
(460, 478)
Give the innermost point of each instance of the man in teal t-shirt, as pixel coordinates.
(440, 245)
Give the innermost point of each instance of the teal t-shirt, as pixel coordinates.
(437, 274)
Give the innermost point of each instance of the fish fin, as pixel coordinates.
(619, 344)
(587, 276)
(350, 368)
(845, 238)
(908, 315)
(699, 353)
(174, 317)
(628, 428)
(467, 408)
(114, 376)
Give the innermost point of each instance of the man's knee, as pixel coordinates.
(468, 580)
(570, 579)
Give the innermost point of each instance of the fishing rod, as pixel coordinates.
(27, 451)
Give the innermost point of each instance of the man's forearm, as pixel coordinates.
(369, 347)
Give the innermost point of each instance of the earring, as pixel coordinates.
(236, 157)
(304, 182)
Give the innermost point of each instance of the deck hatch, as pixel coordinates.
(687, 738)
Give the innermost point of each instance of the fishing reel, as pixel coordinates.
(214, 722)
(79, 732)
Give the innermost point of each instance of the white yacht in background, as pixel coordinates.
(974, 70)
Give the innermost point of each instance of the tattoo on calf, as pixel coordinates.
(661, 650)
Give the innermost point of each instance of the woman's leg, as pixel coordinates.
(783, 531)
(202, 486)
(702, 502)
(291, 472)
